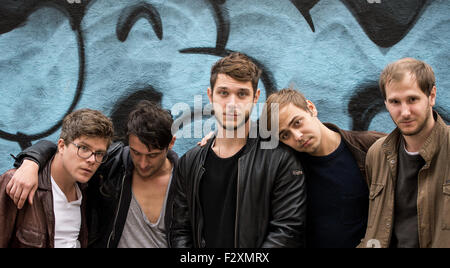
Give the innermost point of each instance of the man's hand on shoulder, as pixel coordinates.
(24, 183)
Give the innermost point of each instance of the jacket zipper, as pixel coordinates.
(169, 233)
(199, 227)
(111, 236)
(237, 208)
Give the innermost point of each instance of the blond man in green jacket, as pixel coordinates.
(409, 170)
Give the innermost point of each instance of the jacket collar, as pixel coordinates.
(44, 181)
(343, 133)
(44, 178)
(173, 158)
(359, 154)
(429, 148)
(252, 140)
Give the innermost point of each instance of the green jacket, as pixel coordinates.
(433, 198)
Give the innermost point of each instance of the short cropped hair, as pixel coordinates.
(239, 67)
(86, 122)
(421, 71)
(151, 124)
(284, 97)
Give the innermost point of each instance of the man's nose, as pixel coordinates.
(143, 163)
(298, 135)
(231, 102)
(91, 159)
(231, 106)
(406, 111)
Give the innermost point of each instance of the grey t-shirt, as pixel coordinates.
(139, 232)
(406, 233)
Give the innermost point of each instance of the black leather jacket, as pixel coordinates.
(109, 191)
(271, 198)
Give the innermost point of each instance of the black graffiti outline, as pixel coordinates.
(367, 102)
(25, 140)
(398, 31)
(362, 115)
(123, 107)
(357, 8)
(130, 15)
(127, 19)
(304, 6)
(222, 21)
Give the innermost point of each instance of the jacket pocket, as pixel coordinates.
(30, 238)
(374, 202)
(446, 207)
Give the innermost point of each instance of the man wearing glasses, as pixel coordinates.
(57, 217)
(129, 202)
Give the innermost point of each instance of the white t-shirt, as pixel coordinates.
(67, 218)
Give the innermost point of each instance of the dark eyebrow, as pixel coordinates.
(84, 144)
(239, 89)
(133, 149)
(81, 143)
(290, 123)
(294, 119)
(150, 153)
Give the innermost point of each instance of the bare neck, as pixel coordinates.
(414, 143)
(165, 170)
(330, 141)
(230, 142)
(62, 178)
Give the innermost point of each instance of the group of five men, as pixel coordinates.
(320, 187)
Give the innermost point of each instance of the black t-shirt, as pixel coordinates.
(218, 190)
(406, 232)
(337, 200)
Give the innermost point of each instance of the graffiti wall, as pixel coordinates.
(61, 55)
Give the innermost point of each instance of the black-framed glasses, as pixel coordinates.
(84, 152)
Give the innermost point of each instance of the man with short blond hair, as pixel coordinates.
(333, 160)
(409, 170)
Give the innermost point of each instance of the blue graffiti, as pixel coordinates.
(57, 56)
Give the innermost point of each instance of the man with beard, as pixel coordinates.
(232, 193)
(409, 170)
(129, 201)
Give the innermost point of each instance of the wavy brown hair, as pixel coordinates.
(239, 67)
(86, 122)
